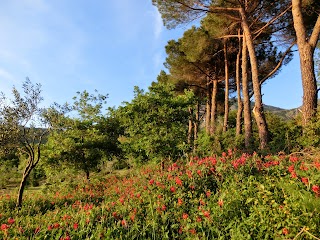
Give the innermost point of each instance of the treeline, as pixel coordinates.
(236, 48)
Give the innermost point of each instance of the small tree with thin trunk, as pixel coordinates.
(18, 120)
(81, 135)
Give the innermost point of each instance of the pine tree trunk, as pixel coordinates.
(208, 109)
(258, 107)
(226, 96)
(239, 100)
(213, 107)
(306, 49)
(246, 97)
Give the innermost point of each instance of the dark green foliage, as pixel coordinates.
(155, 123)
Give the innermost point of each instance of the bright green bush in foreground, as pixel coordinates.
(228, 197)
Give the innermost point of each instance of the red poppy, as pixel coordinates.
(185, 216)
(220, 202)
(172, 189)
(180, 201)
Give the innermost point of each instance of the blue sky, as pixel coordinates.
(108, 45)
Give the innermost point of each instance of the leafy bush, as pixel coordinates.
(155, 123)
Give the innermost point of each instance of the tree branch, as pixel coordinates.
(258, 32)
(315, 34)
(193, 8)
(278, 65)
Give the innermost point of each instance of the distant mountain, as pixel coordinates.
(285, 114)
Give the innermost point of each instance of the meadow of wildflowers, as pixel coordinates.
(233, 196)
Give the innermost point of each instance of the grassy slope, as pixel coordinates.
(229, 197)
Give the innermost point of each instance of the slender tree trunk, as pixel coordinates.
(22, 187)
(213, 107)
(246, 97)
(226, 95)
(190, 126)
(208, 108)
(239, 100)
(196, 127)
(87, 175)
(258, 107)
(306, 48)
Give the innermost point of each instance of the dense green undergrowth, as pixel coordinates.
(234, 196)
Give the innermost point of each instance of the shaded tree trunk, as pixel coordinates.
(213, 107)
(239, 100)
(246, 97)
(258, 107)
(306, 47)
(22, 186)
(190, 127)
(87, 175)
(196, 127)
(208, 108)
(226, 96)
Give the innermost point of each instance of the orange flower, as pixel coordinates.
(206, 214)
(285, 231)
(124, 223)
(220, 202)
(56, 225)
(37, 230)
(305, 180)
(75, 226)
(11, 221)
(185, 216)
(316, 189)
(180, 201)
(4, 227)
(178, 181)
(208, 193)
